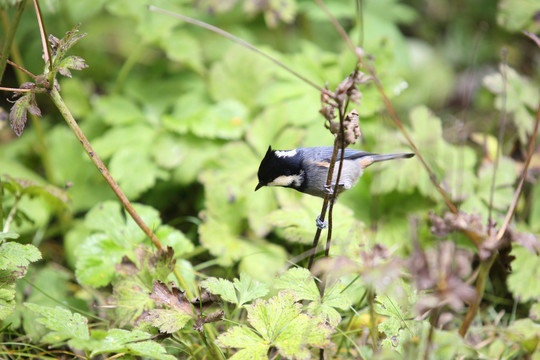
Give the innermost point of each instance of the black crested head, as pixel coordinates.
(280, 168)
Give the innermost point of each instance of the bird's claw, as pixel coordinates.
(321, 224)
(328, 189)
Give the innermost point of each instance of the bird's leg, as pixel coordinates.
(324, 224)
(329, 189)
(321, 224)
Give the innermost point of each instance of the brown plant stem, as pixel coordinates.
(483, 274)
(47, 51)
(15, 65)
(14, 89)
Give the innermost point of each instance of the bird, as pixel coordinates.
(305, 169)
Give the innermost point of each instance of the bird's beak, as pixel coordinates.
(259, 185)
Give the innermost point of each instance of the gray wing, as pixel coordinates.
(324, 153)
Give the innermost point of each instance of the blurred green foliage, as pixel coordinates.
(182, 118)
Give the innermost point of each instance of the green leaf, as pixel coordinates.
(118, 110)
(71, 62)
(503, 192)
(240, 292)
(64, 323)
(519, 95)
(109, 218)
(169, 236)
(136, 136)
(133, 342)
(183, 47)
(523, 280)
(526, 333)
(135, 171)
(167, 320)
(240, 75)
(222, 287)
(517, 15)
(56, 197)
(14, 256)
(96, 258)
(7, 297)
(8, 235)
(61, 47)
(279, 323)
(300, 281)
(226, 119)
(251, 345)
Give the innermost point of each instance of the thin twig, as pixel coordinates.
(533, 37)
(21, 69)
(244, 43)
(519, 188)
(14, 89)
(47, 52)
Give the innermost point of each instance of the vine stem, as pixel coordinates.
(59, 102)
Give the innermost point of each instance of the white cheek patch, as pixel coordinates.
(287, 180)
(285, 153)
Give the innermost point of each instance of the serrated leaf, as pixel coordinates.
(55, 196)
(222, 287)
(251, 345)
(279, 323)
(60, 47)
(14, 255)
(249, 289)
(63, 322)
(226, 119)
(300, 281)
(523, 280)
(169, 236)
(71, 62)
(519, 96)
(133, 342)
(135, 171)
(167, 320)
(8, 235)
(240, 292)
(96, 257)
(7, 298)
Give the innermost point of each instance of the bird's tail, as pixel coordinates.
(376, 157)
(370, 159)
